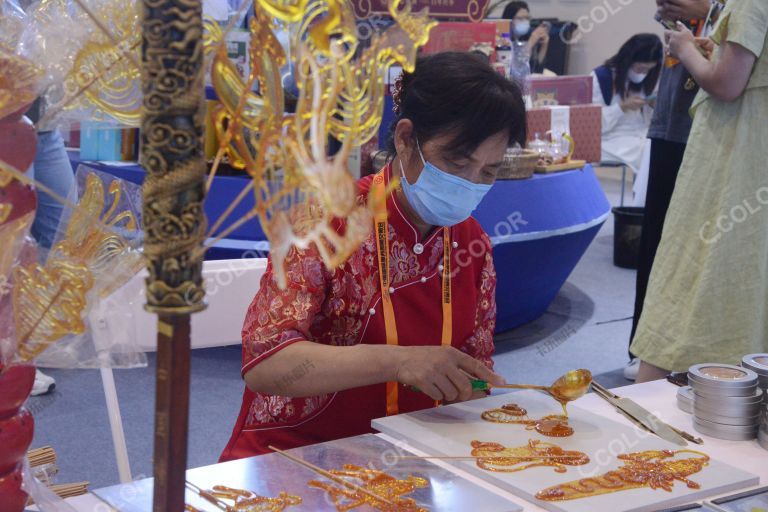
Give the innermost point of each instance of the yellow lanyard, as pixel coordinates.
(381, 226)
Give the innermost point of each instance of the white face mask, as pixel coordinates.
(635, 77)
(522, 28)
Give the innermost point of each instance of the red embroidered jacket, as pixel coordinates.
(342, 307)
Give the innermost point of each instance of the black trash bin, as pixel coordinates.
(627, 228)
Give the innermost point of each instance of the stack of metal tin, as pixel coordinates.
(727, 401)
(758, 363)
(685, 399)
(762, 433)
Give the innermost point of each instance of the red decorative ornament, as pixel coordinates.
(12, 497)
(15, 436)
(18, 203)
(18, 143)
(16, 431)
(16, 383)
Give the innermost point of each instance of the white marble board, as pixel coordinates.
(449, 430)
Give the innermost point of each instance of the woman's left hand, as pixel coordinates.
(476, 395)
(678, 41)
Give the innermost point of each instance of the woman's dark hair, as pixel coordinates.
(510, 11)
(638, 48)
(458, 93)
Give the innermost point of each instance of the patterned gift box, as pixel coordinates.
(561, 90)
(460, 37)
(585, 127)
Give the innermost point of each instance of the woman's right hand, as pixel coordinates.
(540, 34)
(707, 46)
(441, 372)
(632, 103)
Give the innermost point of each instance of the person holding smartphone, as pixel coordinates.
(670, 126)
(537, 40)
(625, 86)
(708, 289)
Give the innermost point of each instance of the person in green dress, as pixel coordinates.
(707, 298)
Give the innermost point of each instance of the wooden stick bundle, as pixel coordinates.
(65, 491)
(41, 456)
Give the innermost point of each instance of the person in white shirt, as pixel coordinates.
(625, 85)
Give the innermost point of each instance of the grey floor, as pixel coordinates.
(587, 326)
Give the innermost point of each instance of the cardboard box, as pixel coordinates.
(465, 10)
(561, 90)
(89, 140)
(503, 27)
(129, 144)
(110, 143)
(584, 123)
(458, 36)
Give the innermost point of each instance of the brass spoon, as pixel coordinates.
(569, 387)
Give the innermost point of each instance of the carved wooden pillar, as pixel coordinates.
(174, 223)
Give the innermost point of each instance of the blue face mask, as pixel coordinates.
(440, 198)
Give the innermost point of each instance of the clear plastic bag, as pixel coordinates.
(104, 235)
(52, 37)
(90, 57)
(45, 499)
(12, 22)
(24, 253)
(46, 473)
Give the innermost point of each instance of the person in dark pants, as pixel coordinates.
(670, 126)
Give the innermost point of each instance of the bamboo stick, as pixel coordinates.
(220, 504)
(331, 476)
(474, 457)
(95, 19)
(50, 115)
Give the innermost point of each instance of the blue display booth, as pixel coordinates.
(540, 229)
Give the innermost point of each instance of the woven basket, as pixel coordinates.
(518, 166)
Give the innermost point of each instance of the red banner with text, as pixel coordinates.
(466, 10)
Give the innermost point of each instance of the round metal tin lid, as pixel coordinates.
(721, 383)
(697, 383)
(722, 374)
(758, 363)
(725, 392)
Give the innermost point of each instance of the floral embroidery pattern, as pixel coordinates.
(332, 307)
(403, 263)
(481, 342)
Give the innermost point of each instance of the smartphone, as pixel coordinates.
(652, 97)
(678, 379)
(668, 24)
(541, 23)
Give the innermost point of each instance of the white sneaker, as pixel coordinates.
(630, 371)
(44, 384)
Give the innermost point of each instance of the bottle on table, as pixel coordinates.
(504, 52)
(520, 67)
